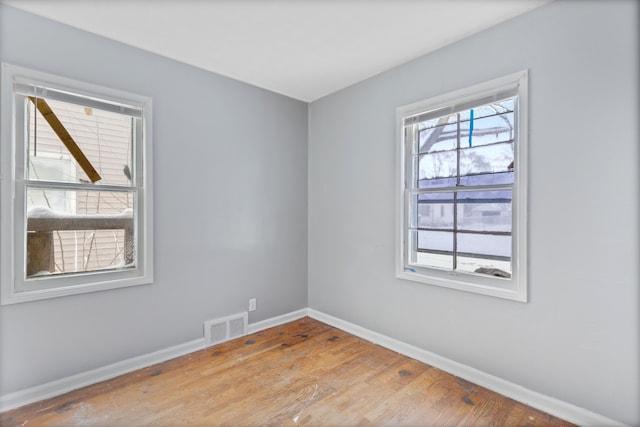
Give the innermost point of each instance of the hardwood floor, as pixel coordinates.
(304, 372)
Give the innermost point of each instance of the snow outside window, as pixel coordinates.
(462, 189)
(76, 187)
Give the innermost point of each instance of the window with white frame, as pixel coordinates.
(462, 189)
(76, 187)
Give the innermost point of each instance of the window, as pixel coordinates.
(462, 189)
(76, 187)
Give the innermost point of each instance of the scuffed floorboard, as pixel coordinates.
(301, 373)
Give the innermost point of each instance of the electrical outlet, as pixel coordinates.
(252, 304)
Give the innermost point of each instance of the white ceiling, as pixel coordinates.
(305, 49)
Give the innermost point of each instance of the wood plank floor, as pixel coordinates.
(301, 373)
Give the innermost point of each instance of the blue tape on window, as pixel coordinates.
(470, 126)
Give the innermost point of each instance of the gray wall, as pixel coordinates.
(231, 209)
(578, 337)
(230, 193)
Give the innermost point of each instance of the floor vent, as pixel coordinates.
(225, 328)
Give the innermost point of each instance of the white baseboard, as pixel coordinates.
(534, 399)
(277, 321)
(64, 385)
(550, 405)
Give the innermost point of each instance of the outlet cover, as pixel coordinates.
(252, 304)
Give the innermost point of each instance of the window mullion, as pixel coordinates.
(415, 149)
(76, 186)
(455, 196)
(463, 189)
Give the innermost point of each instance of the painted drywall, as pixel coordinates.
(230, 209)
(577, 339)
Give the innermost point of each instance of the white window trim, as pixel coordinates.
(516, 287)
(10, 278)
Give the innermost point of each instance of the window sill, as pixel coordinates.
(509, 289)
(115, 280)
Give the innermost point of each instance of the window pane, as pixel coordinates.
(76, 202)
(71, 231)
(487, 179)
(103, 137)
(437, 182)
(486, 246)
(435, 210)
(491, 109)
(484, 210)
(437, 165)
(490, 158)
(77, 251)
(434, 260)
(489, 267)
(435, 241)
(435, 249)
(439, 138)
(487, 130)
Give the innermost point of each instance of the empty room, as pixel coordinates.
(359, 212)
